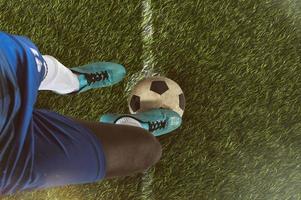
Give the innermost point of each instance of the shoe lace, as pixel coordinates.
(157, 125)
(97, 76)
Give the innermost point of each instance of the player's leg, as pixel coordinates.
(63, 80)
(127, 149)
(69, 151)
(128, 140)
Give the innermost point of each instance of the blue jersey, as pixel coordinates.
(38, 148)
(21, 70)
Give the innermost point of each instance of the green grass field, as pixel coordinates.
(239, 64)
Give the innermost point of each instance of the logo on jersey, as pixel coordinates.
(39, 62)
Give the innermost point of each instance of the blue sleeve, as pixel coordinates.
(21, 71)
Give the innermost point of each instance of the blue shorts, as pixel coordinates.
(38, 148)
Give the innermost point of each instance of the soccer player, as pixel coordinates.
(41, 149)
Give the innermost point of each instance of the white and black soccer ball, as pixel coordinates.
(157, 92)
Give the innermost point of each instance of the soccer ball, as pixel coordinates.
(157, 92)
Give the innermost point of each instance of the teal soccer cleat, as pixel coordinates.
(156, 121)
(98, 75)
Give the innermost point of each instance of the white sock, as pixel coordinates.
(128, 121)
(59, 78)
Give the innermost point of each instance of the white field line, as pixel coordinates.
(147, 24)
(147, 53)
(148, 70)
(146, 185)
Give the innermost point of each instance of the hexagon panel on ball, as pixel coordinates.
(157, 92)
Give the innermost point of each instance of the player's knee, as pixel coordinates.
(150, 151)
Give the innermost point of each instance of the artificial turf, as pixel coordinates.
(238, 63)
